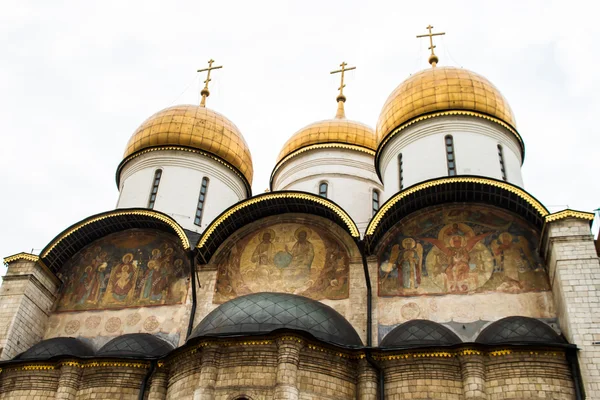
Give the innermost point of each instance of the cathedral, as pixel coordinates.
(402, 262)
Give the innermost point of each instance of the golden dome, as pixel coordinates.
(336, 132)
(198, 128)
(442, 89)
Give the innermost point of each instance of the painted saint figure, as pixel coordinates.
(264, 252)
(122, 278)
(511, 257)
(457, 251)
(302, 253)
(155, 282)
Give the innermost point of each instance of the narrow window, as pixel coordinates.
(154, 191)
(501, 158)
(450, 159)
(375, 201)
(323, 189)
(400, 172)
(201, 200)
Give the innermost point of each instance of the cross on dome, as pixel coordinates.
(341, 98)
(204, 92)
(433, 59)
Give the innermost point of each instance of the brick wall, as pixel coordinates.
(574, 270)
(27, 296)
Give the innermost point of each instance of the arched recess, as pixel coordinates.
(265, 205)
(66, 244)
(459, 189)
(247, 257)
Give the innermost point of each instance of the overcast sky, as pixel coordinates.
(77, 78)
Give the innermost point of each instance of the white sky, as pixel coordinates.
(77, 78)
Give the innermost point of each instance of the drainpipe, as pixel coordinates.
(575, 373)
(368, 349)
(146, 379)
(192, 257)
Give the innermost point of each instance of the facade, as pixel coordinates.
(402, 262)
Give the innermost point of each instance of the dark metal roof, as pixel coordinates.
(420, 333)
(458, 189)
(135, 345)
(60, 346)
(66, 244)
(265, 205)
(519, 330)
(262, 313)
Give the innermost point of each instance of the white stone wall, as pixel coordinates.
(574, 270)
(424, 152)
(179, 188)
(350, 176)
(27, 296)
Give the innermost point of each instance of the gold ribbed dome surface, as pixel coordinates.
(194, 127)
(442, 89)
(330, 131)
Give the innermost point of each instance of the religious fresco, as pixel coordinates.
(461, 250)
(127, 269)
(288, 258)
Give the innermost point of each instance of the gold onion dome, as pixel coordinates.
(337, 132)
(194, 127)
(442, 89)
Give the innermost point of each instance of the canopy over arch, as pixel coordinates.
(67, 243)
(468, 189)
(266, 205)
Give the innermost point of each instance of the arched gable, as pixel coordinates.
(266, 205)
(66, 244)
(459, 189)
(269, 255)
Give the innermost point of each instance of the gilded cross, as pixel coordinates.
(433, 59)
(204, 92)
(341, 96)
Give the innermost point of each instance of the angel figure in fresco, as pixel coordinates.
(265, 251)
(302, 253)
(512, 256)
(457, 250)
(408, 262)
(122, 279)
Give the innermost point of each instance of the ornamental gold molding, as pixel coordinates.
(146, 213)
(335, 353)
(564, 214)
(321, 146)
(453, 113)
(457, 179)
(189, 150)
(21, 257)
(467, 352)
(284, 195)
(77, 364)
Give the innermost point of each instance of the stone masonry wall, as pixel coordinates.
(27, 296)
(574, 270)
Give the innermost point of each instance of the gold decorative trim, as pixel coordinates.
(564, 214)
(284, 195)
(453, 112)
(147, 213)
(78, 364)
(21, 256)
(335, 353)
(189, 150)
(465, 352)
(457, 179)
(318, 147)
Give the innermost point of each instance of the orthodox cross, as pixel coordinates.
(433, 59)
(341, 96)
(205, 93)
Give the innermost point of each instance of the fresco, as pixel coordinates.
(461, 250)
(126, 269)
(288, 258)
